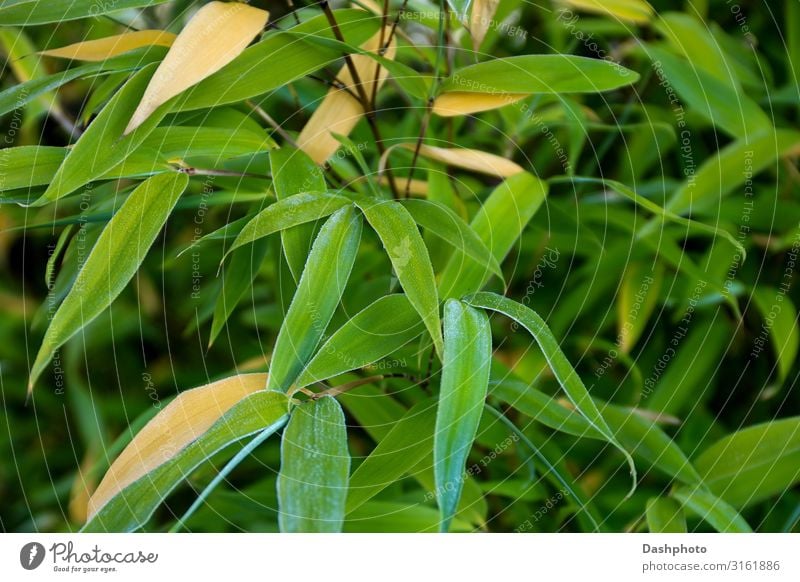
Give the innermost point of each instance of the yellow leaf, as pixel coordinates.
(104, 48)
(339, 112)
(182, 421)
(474, 160)
(637, 11)
(465, 103)
(480, 19)
(215, 35)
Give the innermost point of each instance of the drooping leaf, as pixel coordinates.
(216, 34)
(318, 294)
(754, 463)
(480, 19)
(376, 331)
(111, 46)
(467, 159)
(189, 430)
(780, 318)
(409, 256)
(465, 378)
(566, 375)
(315, 468)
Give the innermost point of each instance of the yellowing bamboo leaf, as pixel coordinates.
(215, 35)
(466, 103)
(482, 15)
(182, 421)
(468, 159)
(110, 46)
(637, 11)
(339, 111)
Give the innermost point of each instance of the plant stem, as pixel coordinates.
(274, 124)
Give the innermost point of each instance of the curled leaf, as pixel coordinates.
(215, 35)
(480, 19)
(111, 46)
(466, 103)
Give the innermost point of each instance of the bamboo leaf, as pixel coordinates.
(780, 318)
(318, 294)
(711, 509)
(376, 331)
(665, 515)
(283, 54)
(189, 430)
(499, 223)
(294, 172)
(216, 34)
(288, 212)
(467, 159)
(339, 111)
(33, 12)
(480, 18)
(566, 375)
(440, 220)
(406, 445)
(409, 256)
(754, 463)
(102, 147)
(315, 468)
(637, 11)
(465, 378)
(111, 46)
(112, 262)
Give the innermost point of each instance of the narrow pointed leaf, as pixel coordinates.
(315, 468)
(711, 509)
(32, 12)
(112, 262)
(189, 430)
(111, 46)
(480, 19)
(566, 375)
(465, 380)
(443, 222)
(216, 34)
(376, 331)
(637, 11)
(665, 515)
(409, 256)
(318, 294)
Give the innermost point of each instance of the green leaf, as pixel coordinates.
(315, 468)
(318, 294)
(780, 318)
(566, 375)
(102, 146)
(440, 220)
(711, 509)
(499, 222)
(27, 166)
(294, 172)
(112, 262)
(465, 379)
(409, 256)
(665, 515)
(292, 211)
(131, 508)
(19, 95)
(376, 331)
(237, 277)
(278, 59)
(407, 444)
(33, 12)
(753, 464)
(546, 74)
(733, 112)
